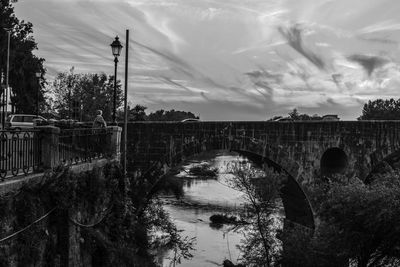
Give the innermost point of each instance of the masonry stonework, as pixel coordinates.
(295, 146)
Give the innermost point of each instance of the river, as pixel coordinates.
(203, 198)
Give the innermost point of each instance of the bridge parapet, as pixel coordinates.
(350, 147)
(46, 147)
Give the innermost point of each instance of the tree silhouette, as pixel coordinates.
(380, 109)
(171, 115)
(78, 96)
(137, 113)
(23, 64)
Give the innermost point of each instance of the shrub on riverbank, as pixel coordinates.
(223, 219)
(357, 224)
(358, 221)
(203, 170)
(226, 219)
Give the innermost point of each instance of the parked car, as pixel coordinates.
(22, 121)
(330, 117)
(285, 119)
(190, 120)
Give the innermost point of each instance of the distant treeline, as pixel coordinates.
(138, 113)
(294, 115)
(379, 109)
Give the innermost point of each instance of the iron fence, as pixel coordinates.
(83, 145)
(20, 152)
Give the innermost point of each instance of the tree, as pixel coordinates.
(171, 115)
(261, 189)
(138, 113)
(23, 64)
(294, 114)
(366, 216)
(78, 96)
(381, 110)
(358, 223)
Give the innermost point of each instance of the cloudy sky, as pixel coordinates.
(230, 59)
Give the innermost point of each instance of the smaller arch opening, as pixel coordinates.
(333, 161)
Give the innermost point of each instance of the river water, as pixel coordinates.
(203, 198)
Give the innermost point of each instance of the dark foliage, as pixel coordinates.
(171, 184)
(79, 96)
(228, 263)
(23, 63)
(296, 116)
(114, 234)
(358, 224)
(380, 109)
(203, 170)
(171, 115)
(225, 219)
(137, 113)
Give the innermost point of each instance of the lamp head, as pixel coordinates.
(116, 47)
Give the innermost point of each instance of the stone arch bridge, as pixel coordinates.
(303, 150)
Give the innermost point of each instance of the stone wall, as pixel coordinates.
(296, 146)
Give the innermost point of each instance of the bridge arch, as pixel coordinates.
(296, 205)
(387, 164)
(295, 202)
(333, 161)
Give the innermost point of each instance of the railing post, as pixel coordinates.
(50, 151)
(115, 141)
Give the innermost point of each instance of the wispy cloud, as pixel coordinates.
(233, 59)
(293, 35)
(369, 63)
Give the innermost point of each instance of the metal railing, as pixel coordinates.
(83, 145)
(20, 152)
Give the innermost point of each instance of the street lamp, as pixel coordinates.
(38, 75)
(116, 48)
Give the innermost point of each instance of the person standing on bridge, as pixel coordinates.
(99, 121)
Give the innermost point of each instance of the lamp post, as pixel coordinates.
(116, 48)
(38, 75)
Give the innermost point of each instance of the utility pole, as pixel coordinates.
(125, 104)
(38, 75)
(3, 111)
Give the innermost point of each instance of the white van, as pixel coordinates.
(22, 121)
